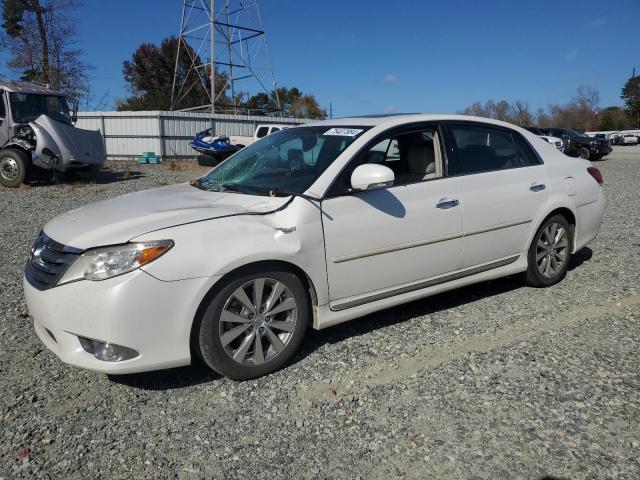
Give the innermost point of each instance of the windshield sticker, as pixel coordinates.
(344, 132)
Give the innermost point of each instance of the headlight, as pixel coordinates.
(107, 262)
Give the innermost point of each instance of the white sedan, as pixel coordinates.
(628, 139)
(309, 227)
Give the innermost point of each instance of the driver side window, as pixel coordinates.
(413, 156)
(3, 112)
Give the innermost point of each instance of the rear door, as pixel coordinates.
(503, 187)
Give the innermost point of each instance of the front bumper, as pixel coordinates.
(600, 149)
(135, 310)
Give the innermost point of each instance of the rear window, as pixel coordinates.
(481, 149)
(525, 153)
(262, 132)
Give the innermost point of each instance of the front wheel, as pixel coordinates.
(254, 324)
(13, 167)
(583, 153)
(549, 253)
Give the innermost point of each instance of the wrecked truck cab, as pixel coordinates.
(37, 132)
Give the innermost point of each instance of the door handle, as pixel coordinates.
(536, 187)
(446, 203)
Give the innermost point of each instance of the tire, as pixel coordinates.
(596, 158)
(231, 326)
(548, 258)
(583, 153)
(14, 166)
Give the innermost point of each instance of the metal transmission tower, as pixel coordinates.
(230, 41)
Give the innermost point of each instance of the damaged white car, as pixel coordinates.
(37, 132)
(308, 227)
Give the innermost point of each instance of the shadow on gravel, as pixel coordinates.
(171, 379)
(198, 373)
(102, 178)
(580, 257)
(208, 160)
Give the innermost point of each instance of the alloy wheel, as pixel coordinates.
(552, 249)
(257, 321)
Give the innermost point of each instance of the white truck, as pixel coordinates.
(261, 131)
(37, 132)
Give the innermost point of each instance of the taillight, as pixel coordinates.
(596, 174)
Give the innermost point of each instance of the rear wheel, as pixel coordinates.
(549, 253)
(254, 324)
(14, 165)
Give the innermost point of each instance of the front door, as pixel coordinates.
(379, 242)
(4, 120)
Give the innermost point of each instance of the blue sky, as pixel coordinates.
(409, 56)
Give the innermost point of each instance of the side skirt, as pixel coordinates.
(344, 304)
(348, 309)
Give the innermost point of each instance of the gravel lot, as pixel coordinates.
(488, 382)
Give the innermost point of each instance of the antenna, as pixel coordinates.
(241, 58)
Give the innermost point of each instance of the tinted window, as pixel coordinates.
(274, 129)
(481, 149)
(2, 110)
(526, 155)
(262, 132)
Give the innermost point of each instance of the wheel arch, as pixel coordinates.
(17, 147)
(567, 213)
(264, 265)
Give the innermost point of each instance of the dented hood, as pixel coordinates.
(120, 219)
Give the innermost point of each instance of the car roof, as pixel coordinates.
(28, 87)
(403, 118)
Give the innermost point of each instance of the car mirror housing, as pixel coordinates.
(371, 176)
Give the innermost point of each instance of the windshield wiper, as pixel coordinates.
(234, 187)
(276, 192)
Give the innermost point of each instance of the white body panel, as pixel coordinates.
(382, 238)
(499, 209)
(359, 252)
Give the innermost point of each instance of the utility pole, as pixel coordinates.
(212, 43)
(237, 25)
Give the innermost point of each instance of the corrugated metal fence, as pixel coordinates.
(129, 134)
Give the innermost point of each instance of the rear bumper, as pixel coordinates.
(589, 221)
(134, 310)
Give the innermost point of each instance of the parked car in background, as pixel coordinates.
(628, 139)
(37, 132)
(559, 143)
(309, 227)
(581, 145)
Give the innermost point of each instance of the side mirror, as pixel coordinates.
(371, 176)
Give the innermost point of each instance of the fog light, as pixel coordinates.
(107, 352)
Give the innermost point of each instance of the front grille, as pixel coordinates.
(48, 261)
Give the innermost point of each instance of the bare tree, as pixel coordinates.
(521, 114)
(580, 113)
(40, 35)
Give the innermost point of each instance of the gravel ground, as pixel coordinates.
(488, 382)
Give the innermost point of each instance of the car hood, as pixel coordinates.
(120, 219)
(69, 143)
